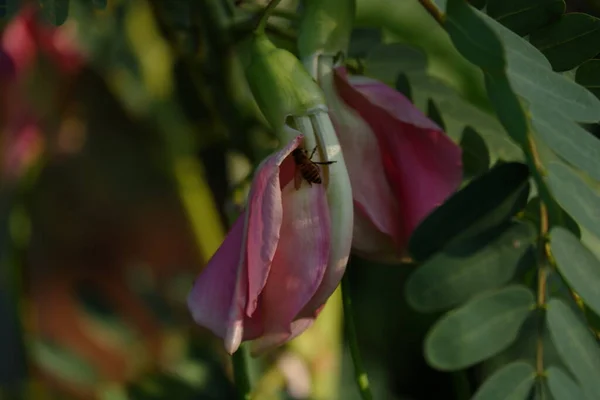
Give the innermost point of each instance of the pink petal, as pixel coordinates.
(264, 222)
(18, 41)
(422, 164)
(299, 264)
(225, 295)
(370, 188)
(218, 297)
(370, 243)
(270, 342)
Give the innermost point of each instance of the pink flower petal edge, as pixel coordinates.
(271, 262)
(423, 166)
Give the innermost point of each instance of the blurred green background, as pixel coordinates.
(142, 160)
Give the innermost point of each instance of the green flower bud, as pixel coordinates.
(325, 28)
(280, 84)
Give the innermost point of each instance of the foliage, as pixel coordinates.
(477, 245)
(507, 269)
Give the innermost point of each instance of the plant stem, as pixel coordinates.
(262, 22)
(541, 286)
(241, 372)
(360, 374)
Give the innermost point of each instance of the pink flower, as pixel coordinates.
(26, 36)
(270, 278)
(401, 164)
(23, 40)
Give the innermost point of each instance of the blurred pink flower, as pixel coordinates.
(272, 274)
(24, 39)
(401, 164)
(26, 36)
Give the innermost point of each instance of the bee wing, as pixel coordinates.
(298, 178)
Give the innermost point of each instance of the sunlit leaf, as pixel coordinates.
(481, 328)
(525, 16)
(485, 203)
(588, 75)
(532, 213)
(531, 76)
(577, 265)
(508, 107)
(452, 277)
(575, 196)
(576, 345)
(511, 382)
(568, 139)
(562, 386)
(472, 37)
(570, 41)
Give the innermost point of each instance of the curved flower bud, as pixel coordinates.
(279, 83)
(325, 28)
(288, 251)
(401, 164)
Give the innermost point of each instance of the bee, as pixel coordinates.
(306, 168)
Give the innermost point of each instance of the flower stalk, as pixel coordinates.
(262, 22)
(241, 372)
(360, 373)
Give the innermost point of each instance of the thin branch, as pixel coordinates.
(360, 374)
(262, 22)
(433, 11)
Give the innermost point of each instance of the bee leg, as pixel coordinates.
(297, 179)
(313, 153)
(324, 162)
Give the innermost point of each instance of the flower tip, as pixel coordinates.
(233, 339)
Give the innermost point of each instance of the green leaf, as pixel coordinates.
(575, 196)
(570, 41)
(487, 202)
(453, 276)
(532, 214)
(8, 9)
(478, 330)
(568, 139)
(478, 4)
(403, 86)
(434, 114)
(387, 61)
(472, 37)
(511, 382)
(507, 106)
(362, 40)
(525, 16)
(562, 386)
(578, 266)
(531, 77)
(475, 154)
(588, 75)
(576, 345)
(100, 4)
(56, 11)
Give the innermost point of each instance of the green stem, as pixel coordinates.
(360, 374)
(262, 22)
(241, 373)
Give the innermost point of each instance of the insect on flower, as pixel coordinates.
(306, 168)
